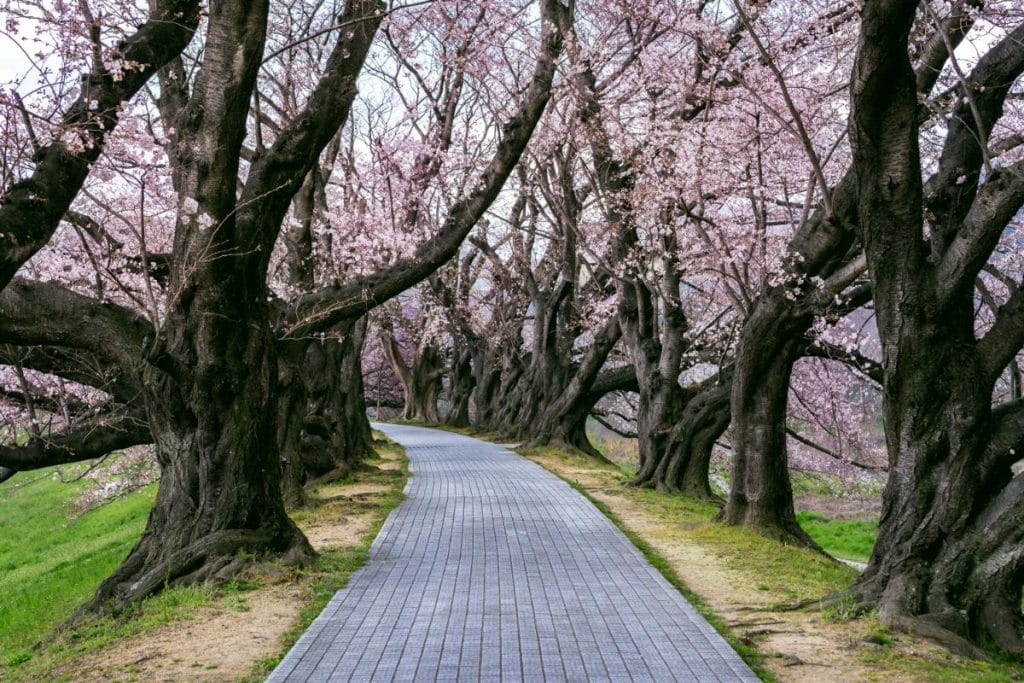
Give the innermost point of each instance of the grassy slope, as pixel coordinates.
(51, 562)
(850, 539)
(847, 539)
(51, 559)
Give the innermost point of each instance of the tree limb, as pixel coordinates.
(321, 309)
(32, 208)
(46, 313)
(82, 441)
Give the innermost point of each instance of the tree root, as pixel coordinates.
(922, 627)
(846, 599)
(917, 626)
(217, 557)
(329, 477)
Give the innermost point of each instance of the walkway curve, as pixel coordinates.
(494, 569)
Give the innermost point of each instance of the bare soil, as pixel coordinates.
(217, 644)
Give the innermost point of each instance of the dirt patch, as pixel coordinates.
(798, 646)
(388, 460)
(217, 644)
(347, 531)
(356, 490)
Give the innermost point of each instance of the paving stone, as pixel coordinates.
(494, 569)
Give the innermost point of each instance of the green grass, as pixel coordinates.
(850, 539)
(829, 485)
(786, 571)
(51, 561)
(943, 667)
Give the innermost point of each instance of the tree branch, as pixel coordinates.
(950, 31)
(950, 192)
(32, 208)
(1005, 338)
(46, 313)
(327, 306)
(82, 441)
(275, 177)
(999, 200)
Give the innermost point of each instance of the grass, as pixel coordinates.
(944, 668)
(52, 560)
(850, 539)
(789, 572)
(792, 573)
(830, 485)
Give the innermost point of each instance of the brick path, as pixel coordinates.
(495, 569)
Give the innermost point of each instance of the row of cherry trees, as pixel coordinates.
(550, 211)
(694, 234)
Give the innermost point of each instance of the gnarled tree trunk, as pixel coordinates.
(684, 464)
(761, 495)
(214, 429)
(421, 380)
(949, 559)
(336, 429)
(292, 403)
(948, 552)
(461, 384)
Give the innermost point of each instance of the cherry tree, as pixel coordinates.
(947, 562)
(208, 364)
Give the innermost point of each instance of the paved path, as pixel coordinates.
(495, 569)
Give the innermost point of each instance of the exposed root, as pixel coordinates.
(217, 557)
(845, 599)
(922, 627)
(337, 474)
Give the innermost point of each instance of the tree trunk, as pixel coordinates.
(421, 380)
(487, 379)
(562, 417)
(461, 384)
(683, 467)
(336, 432)
(761, 495)
(949, 559)
(676, 429)
(424, 386)
(948, 553)
(292, 401)
(213, 417)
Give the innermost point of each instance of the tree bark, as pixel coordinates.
(214, 429)
(947, 563)
(292, 402)
(421, 380)
(461, 385)
(336, 428)
(761, 495)
(683, 464)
